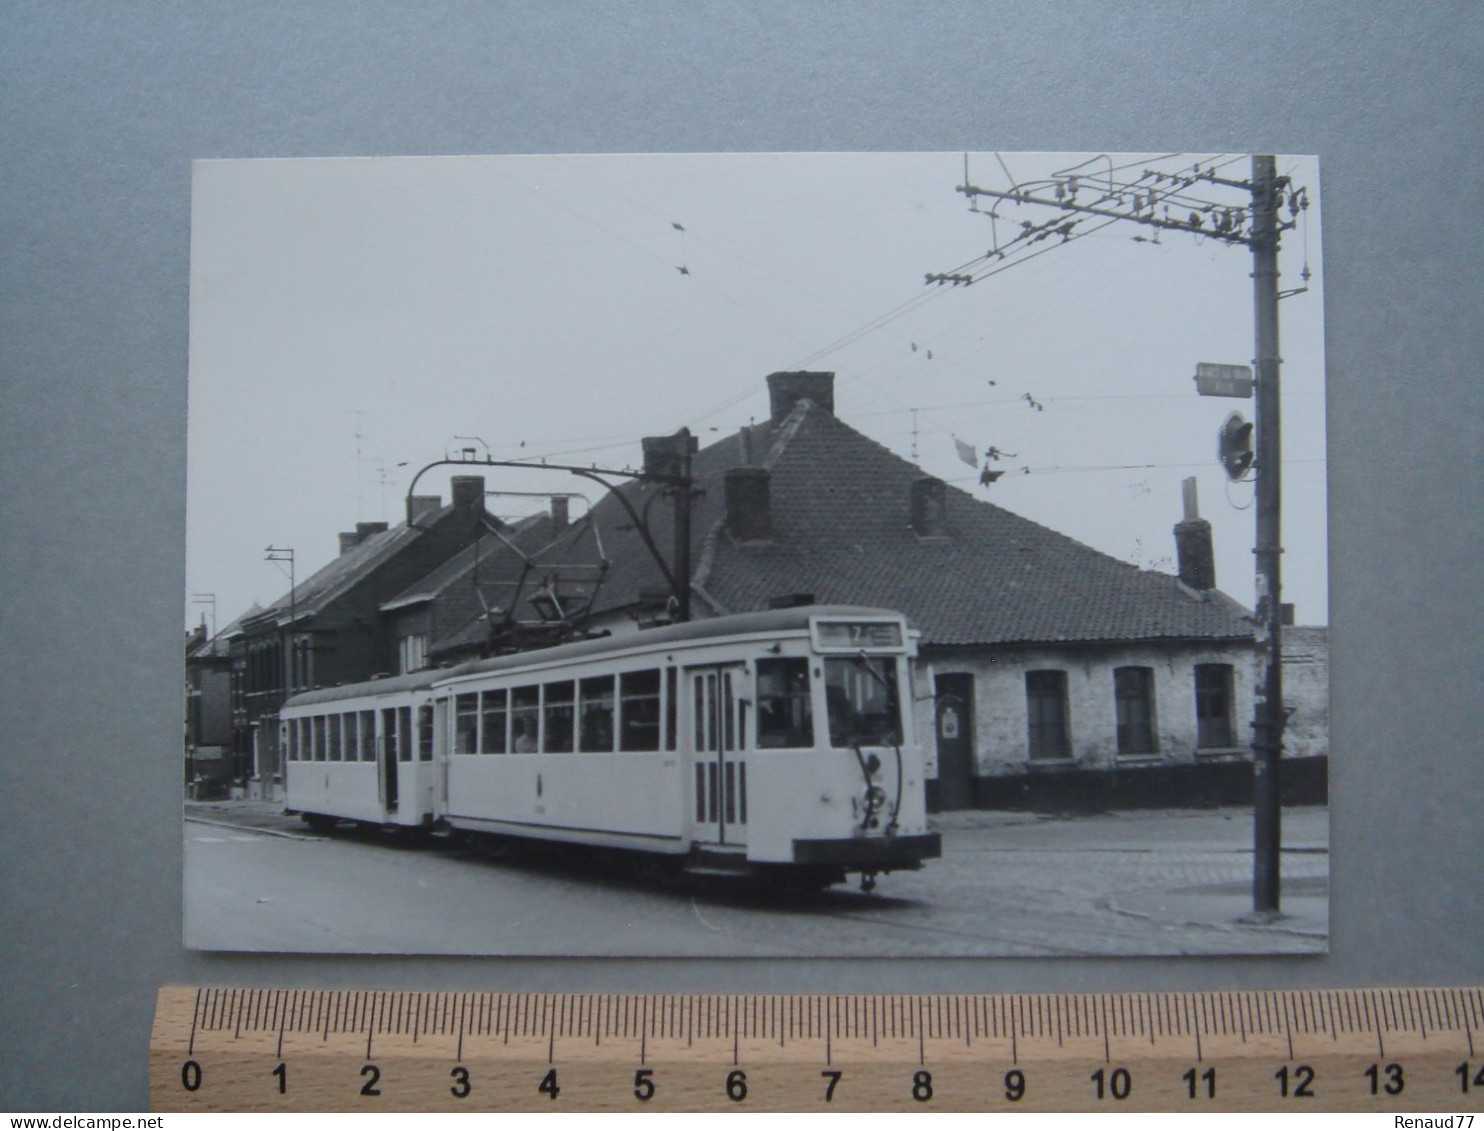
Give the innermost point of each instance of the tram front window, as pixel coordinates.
(864, 707)
(784, 717)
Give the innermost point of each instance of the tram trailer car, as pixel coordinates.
(773, 743)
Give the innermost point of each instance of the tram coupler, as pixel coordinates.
(868, 881)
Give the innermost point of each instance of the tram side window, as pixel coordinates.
(560, 707)
(639, 710)
(391, 730)
(425, 733)
(525, 719)
(352, 737)
(334, 738)
(404, 734)
(597, 715)
(672, 705)
(291, 740)
(319, 738)
(466, 724)
(368, 736)
(492, 708)
(785, 717)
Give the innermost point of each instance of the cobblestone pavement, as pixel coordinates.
(1149, 883)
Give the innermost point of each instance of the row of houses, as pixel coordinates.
(1053, 676)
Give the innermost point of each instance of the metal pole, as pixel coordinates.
(1268, 712)
(682, 526)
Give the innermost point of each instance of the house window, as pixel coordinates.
(1133, 693)
(1046, 710)
(1213, 706)
(412, 652)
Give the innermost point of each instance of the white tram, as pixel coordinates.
(778, 741)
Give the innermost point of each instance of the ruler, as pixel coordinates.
(1387, 1050)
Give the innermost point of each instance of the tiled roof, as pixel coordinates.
(324, 585)
(840, 513)
(840, 508)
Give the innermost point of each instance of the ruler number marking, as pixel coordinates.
(548, 1085)
(1462, 1072)
(833, 1076)
(922, 1085)
(1303, 1077)
(461, 1086)
(1395, 1081)
(282, 1072)
(644, 1084)
(1015, 1085)
(1208, 1077)
(373, 1077)
(736, 1085)
(1119, 1083)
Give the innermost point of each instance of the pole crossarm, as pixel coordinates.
(1020, 196)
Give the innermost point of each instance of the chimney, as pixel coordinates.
(929, 507)
(786, 390)
(561, 513)
(420, 506)
(468, 492)
(349, 540)
(364, 530)
(1193, 544)
(749, 509)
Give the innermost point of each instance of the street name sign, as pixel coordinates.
(1216, 380)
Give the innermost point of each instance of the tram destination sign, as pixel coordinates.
(853, 635)
(1213, 379)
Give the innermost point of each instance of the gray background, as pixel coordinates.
(106, 104)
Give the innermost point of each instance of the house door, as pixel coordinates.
(955, 730)
(719, 726)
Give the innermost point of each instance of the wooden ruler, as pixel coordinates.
(1400, 1050)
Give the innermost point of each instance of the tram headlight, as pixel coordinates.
(875, 798)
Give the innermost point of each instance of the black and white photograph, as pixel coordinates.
(823, 555)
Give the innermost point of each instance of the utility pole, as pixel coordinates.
(1174, 202)
(1268, 713)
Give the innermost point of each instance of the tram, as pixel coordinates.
(771, 743)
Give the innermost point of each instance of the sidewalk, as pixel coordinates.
(256, 816)
(1224, 905)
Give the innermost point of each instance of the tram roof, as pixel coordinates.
(794, 619)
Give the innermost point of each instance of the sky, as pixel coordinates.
(355, 319)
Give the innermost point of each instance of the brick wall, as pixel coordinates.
(1001, 714)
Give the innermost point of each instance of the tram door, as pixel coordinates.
(387, 771)
(719, 724)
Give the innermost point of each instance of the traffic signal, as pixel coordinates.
(1234, 446)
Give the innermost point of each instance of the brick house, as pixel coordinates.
(209, 766)
(330, 629)
(1049, 674)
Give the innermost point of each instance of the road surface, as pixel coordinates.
(1007, 885)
